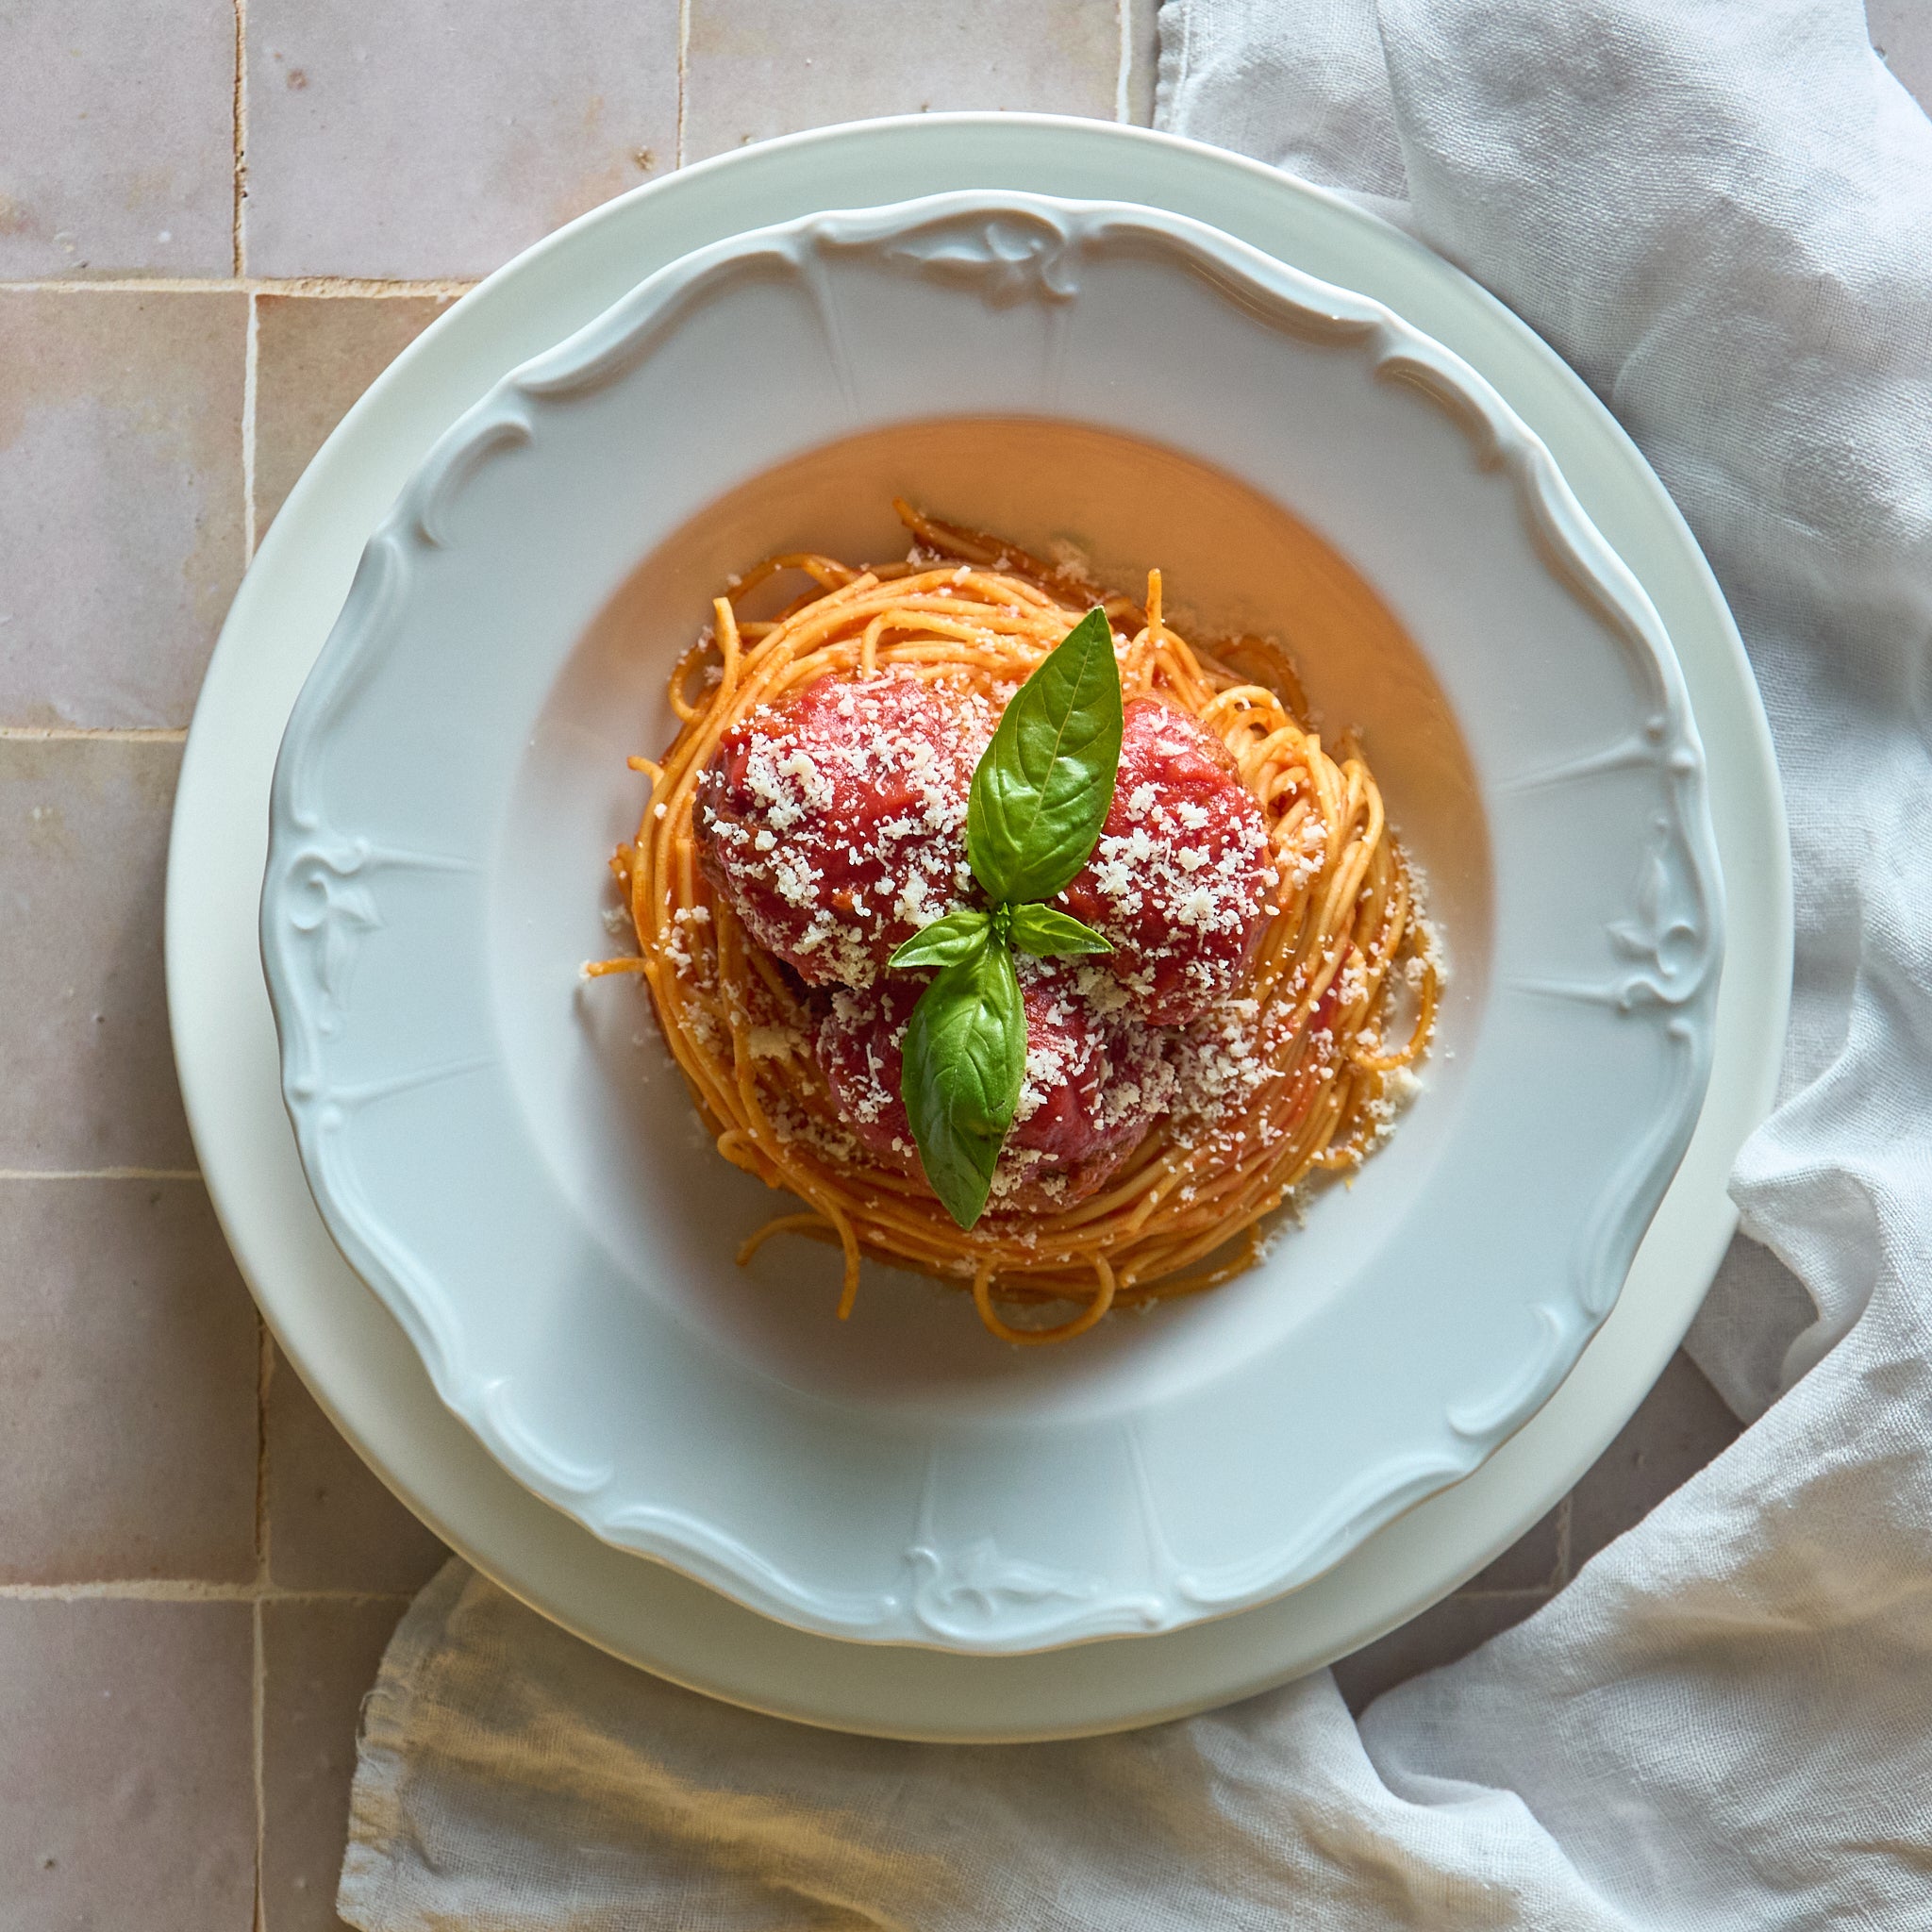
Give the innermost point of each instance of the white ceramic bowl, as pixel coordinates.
(547, 1222)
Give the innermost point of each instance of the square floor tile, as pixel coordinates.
(1141, 53)
(753, 70)
(1902, 32)
(1442, 1635)
(410, 139)
(314, 356)
(118, 149)
(120, 535)
(331, 1523)
(1682, 1425)
(89, 1073)
(1531, 1562)
(128, 1381)
(126, 1766)
(319, 1659)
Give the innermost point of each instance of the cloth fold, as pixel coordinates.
(1721, 212)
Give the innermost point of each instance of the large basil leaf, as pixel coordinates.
(965, 1057)
(949, 942)
(1049, 934)
(1040, 793)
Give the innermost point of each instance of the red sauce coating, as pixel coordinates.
(1180, 880)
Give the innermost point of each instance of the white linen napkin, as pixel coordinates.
(1721, 212)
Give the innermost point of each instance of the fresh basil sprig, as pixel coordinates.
(1040, 797)
(1041, 794)
(1046, 933)
(965, 1059)
(957, 939)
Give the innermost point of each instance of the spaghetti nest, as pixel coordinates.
(1294, 1077)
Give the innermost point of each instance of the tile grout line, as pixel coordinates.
(125, 734)
(1123, 73)
(683, 69)
(365, 288)
(100, 1173)
(240, 134)
(190, 1590)
(339, 287)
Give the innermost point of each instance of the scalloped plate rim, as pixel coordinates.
(493, 419)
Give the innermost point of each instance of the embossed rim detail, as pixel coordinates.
(1005, 250)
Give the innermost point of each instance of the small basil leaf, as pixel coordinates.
(1040, 793)
(948, 942)
(965, 1057)
(1047, 934)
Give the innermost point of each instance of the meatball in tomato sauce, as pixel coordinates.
(833, 822)
(1093, 1087)
(1181, 881)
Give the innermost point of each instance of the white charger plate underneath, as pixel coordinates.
(358, 1361)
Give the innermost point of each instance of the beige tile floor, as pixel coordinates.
(199, 270)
